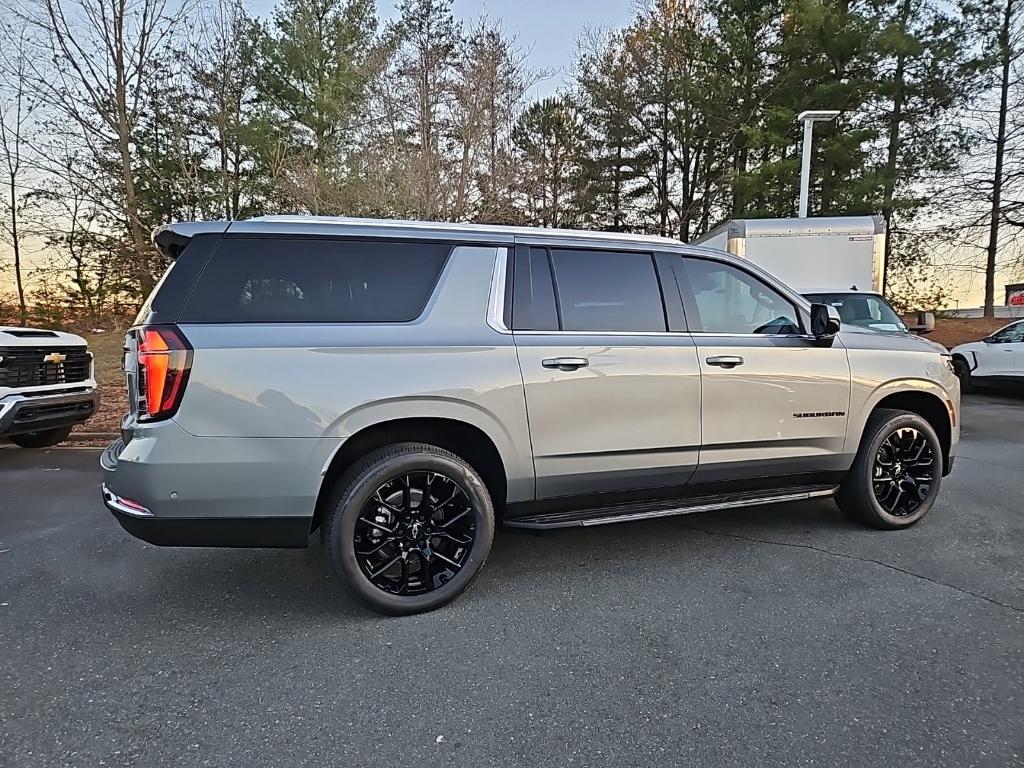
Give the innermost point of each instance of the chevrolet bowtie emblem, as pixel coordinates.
(55, 357)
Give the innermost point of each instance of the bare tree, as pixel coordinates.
(16, 121)
(490, 87)
(1010, 47)
(979, 235)
(223, 64)
(102, 56)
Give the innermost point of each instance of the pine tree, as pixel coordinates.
(549, 142)
(612, 166)
(314, 70)
(928, 73)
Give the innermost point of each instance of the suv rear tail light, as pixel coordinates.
(165, 358)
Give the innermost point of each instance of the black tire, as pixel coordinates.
(858, 496)
(349, 511)
(44, 438)
(963, 372)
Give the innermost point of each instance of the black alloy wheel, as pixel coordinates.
(904, 472)
(897, 472)
(408, 528)
(415, 533)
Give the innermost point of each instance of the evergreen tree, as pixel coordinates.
(928, 73)
(612, 165)
(224, 70)
(549, 141)
(314, 70)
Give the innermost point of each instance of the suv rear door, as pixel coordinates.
(774, 403)
(612, 392)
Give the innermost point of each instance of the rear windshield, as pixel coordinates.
(286, 280)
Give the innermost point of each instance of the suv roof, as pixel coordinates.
(171, 237)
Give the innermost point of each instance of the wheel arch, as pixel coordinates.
(929, 404)
(462, 438)
(971, 361)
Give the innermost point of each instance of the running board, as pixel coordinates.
(625, 513)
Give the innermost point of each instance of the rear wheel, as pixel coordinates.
(896, 476)
(409, 528)
(44, 438)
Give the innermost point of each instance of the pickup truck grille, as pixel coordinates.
(26, 367)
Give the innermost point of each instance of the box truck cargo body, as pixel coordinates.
(813, 255)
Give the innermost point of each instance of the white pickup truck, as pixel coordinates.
(46, 385)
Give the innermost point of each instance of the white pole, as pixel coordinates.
(805, 168)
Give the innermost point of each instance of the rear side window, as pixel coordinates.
(607, 291)
(534, 297)
(282, 280)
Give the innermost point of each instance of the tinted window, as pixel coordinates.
(534, 298)
(166, 299)
(728, 300)
(280, 280)
(607, 291)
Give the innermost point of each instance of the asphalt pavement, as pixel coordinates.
(776, 636)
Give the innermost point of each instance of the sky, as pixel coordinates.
(546, 29)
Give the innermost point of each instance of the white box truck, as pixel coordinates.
(842, 253)
(831, 260)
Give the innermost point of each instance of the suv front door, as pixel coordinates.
(1002, 354)
(613, 398)
(773, 403)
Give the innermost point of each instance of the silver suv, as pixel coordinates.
(404, 387)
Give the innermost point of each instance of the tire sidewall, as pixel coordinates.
(884, 431)
(963, 373)
(343, 525)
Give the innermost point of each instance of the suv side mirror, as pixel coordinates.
(825, 323)
(925, 323)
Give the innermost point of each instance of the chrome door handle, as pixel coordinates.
(725, 361)
(565, 363)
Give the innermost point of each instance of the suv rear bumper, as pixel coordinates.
(33, 413)
(172, 504)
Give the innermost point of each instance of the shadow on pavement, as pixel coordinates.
(225, 584)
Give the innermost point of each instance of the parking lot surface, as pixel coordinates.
(771, 636)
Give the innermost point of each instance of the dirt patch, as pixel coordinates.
(106, 350)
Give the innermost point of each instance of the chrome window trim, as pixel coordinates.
(665, 333)
(496, 308)
(496, 301)
(600, 333)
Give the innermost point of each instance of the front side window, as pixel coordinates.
(287, 280)
(1010, 334)
(607, 291)
(728, 300)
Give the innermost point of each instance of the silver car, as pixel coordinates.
(404, 387)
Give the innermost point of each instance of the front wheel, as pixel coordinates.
(44, 438)
(409, 528)
(963, 372)
(897, 473)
